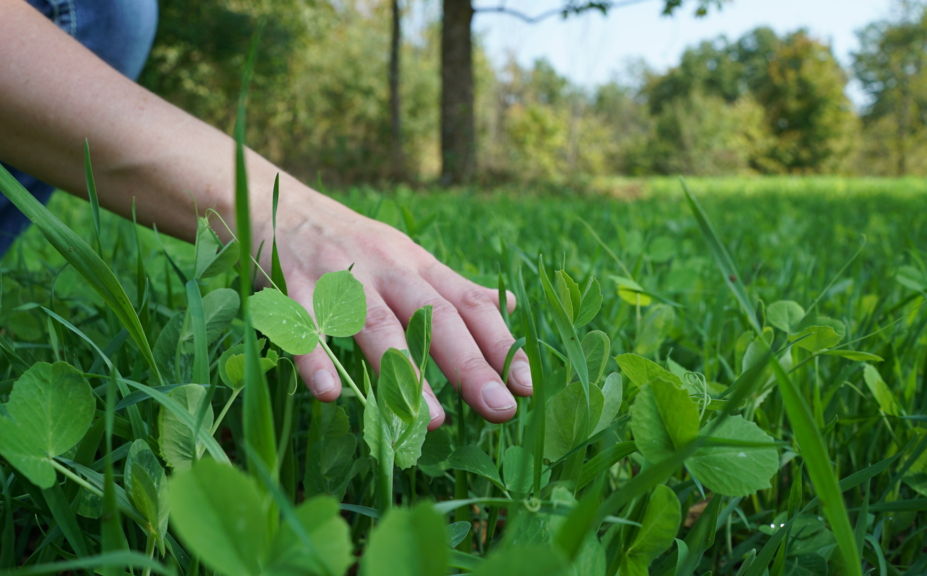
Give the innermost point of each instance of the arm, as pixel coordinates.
(176, 166)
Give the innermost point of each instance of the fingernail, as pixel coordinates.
(497, 397)
(521, 372)
(322, 383)
(434, 408)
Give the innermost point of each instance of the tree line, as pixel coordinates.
(344, 94)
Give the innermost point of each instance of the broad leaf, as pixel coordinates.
(568, 420)
(785, 315)
(220, 513)
(641, 371)
(399, 387)
(411, 542)
(656, 533)
(340, 304)
(524, 560)
(736, 470)
(176, 440)
(663, 419)
(418, 336)
(324, 548)
(472, 459)
(145, 483)
(49, 411)
(284, 321)
(880, 391)
(330, 448)
(597, 347)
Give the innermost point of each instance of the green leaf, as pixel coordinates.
(330, 549)
(641, 371)
(525, 560)
(612, 396)
(340, 304)
(399, 387)
(568, 420)
(632, 292)
(880, 391)
(284, 321)
(590, 304)
(663, 419)
(785, 315)
(518, 470)
(472, 459)
(911, 277)
(411, 542)
(563, 320)
(656, 533)
(418, 335)
(568, 293)
(210, 257)
(597, 347)
(655, 329)
(330, 449)
(176, 441)
(232, 365)
(855, 355)
(816, 338)
(220, 514)
(736, 470)
(145, 483)
(219, 309)
(50, 409)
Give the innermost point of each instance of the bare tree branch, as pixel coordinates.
(570, 8)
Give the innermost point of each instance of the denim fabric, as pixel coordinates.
(120, 32)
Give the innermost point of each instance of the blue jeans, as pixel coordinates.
(120, 32)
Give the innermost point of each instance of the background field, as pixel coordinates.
(849, 253)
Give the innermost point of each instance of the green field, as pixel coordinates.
(693, 414)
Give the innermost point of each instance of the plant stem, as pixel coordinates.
(75, 478)
(343, 372)
(225, 409)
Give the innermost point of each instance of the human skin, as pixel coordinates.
(174, 167)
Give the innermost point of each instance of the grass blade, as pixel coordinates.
(258, 415)
(723, 259)
(82, 257)
(807, 435)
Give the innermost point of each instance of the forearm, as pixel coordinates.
(144, 149)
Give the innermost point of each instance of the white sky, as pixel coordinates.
(591, 49)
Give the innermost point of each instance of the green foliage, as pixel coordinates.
(892, 70)
(688, 410)
(49, 411)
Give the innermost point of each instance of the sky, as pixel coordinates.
(591, 49)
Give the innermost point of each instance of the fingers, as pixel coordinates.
(454, 347)
(382, 331)
(478, 307)
(320, 375)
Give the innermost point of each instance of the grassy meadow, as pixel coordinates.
(735, 385)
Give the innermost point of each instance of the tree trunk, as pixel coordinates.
(395, 104)
(458, 132)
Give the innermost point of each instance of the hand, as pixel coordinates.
(469, 338)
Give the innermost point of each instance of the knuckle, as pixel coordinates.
(441, 308)
(502, 345)
(472, 364)
(477, 298)
(379, 318)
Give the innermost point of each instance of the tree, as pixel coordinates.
(395, 99)
(807, 110)
(891, 65)
(458, 132)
